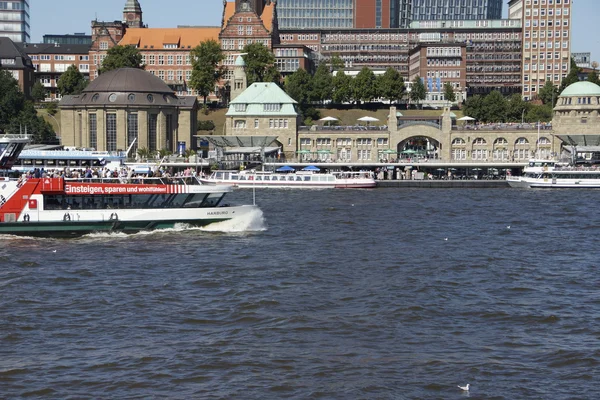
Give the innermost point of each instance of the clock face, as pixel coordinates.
(130, 16)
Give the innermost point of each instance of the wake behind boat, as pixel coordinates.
(299, 179)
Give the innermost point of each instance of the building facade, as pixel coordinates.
(431, 10)
(546, 42)
(128, 107)
(52, 60)
(75, 38)
(264, 109)
(315, 14)
(14, 60)
(14, 20)
(582, 60)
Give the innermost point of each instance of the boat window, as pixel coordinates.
(307, 178)
(195, 200)
(299, 178)
(242, 178)
(290, 178)
(273, 178)
(330, 178)
(212, 200)
(267, 178)
(219, 175)
(259, 178)
(234, 177)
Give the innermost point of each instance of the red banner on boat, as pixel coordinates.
(107, 189)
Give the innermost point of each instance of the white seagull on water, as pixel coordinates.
(465, 388)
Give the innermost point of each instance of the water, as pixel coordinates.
(329, 294)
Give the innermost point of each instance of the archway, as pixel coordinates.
(419, 147)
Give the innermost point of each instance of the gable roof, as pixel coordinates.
(259, 94)
(266, 16)
(10, 51)
(156, 38)
(51, 48)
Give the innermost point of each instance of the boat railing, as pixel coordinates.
(124, 180)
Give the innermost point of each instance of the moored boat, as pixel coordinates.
(299, 179)
(549, 174)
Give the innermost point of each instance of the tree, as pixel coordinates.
(391, 85)
(260, 64)
(342, 88)
(449, 93)
(122, 57)
(337, 64)
(572, 77)
(71, 82)
(494, 107)
(548, 94)
(516, 108)
(12, 99)
(38, 92)
(322, 84)
(474, 107)
(206, 68)
(539, 113)
(364, 86)
(593, 77)
(418, 92)
(298, 86)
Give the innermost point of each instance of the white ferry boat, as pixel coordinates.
(556, 175)
(299, 179)
(59, 206)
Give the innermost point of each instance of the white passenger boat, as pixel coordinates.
(554, 175)
(58, 206)
(299, 179)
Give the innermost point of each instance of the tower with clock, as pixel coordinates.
(132, 14)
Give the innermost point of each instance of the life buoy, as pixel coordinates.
(26, 218)
(67, 217)
(113, 217)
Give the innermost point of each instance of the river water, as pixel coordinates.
(329, 294)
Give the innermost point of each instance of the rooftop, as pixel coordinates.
(582, 88)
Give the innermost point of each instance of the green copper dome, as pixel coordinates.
(582, 88)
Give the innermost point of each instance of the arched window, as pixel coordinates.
(522, 140)
(479, 142)
(458, 142)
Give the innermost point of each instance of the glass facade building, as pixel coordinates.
(14, 20)
(315, 14)
(427, 10)
(76, 38)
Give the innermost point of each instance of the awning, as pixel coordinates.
(249, 150)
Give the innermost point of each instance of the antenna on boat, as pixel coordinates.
(253, 188)
(130, 147)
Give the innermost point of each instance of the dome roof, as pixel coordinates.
(128, 80)
(582, 88)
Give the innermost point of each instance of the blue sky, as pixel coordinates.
(69, 16)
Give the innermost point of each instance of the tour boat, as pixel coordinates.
(554, 175)
(58, 206)
(299, 179)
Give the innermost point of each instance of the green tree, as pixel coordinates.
(474, 107)
(260, 64)
(418, 91)
(71, 82)
(364, 86)
(539, 113)
(342, 88)
(299, 86)
(494, 107)
(337, 64)
(516, 108)
(593, 77)
(38, 92)
(391, 85)
(52, 108)
(12, 100)
(122, 57)
(449, 94)
(322, 84)
(206, 68)
(548, 94)
(572, 77)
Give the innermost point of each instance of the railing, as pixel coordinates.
(343, 128)
(504, 127)
(403, 124)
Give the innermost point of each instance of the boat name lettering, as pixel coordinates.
(217, 213)
(114, 189)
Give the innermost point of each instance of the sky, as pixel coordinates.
(70, 16)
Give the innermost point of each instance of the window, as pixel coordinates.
(93, 128)
(132, 130)
(111, 132)
(152, 129)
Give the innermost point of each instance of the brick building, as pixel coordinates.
(52, 60)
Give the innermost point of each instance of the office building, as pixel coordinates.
(546, 42)
(583, 60)
(427, 10)
(75, 38)
(51, 61)
(316, 14)
(14, 20)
